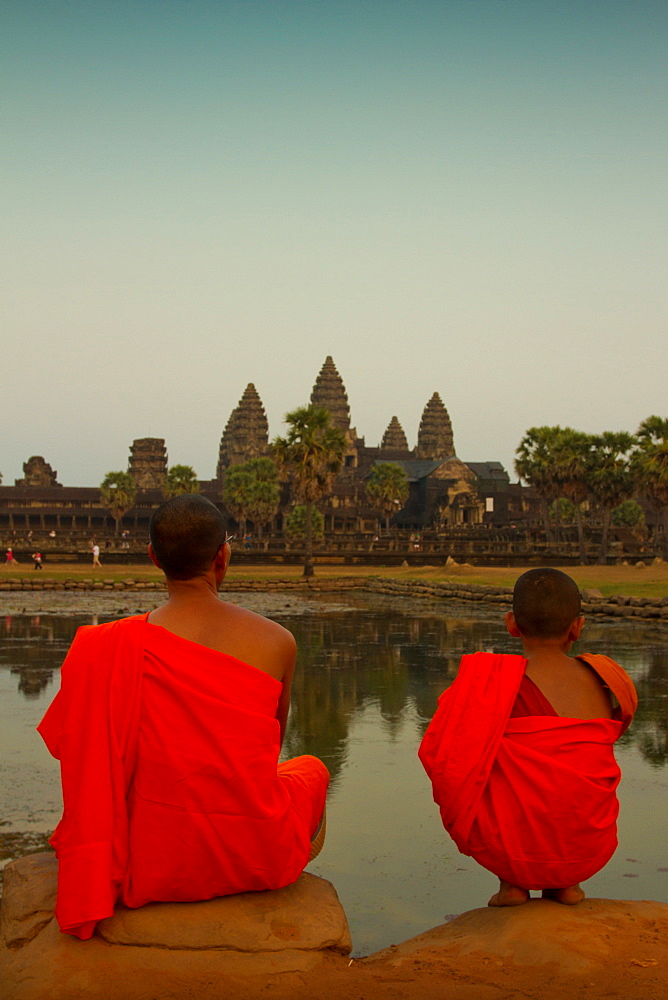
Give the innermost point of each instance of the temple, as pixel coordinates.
(445, 492)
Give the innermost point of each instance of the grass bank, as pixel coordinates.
(648, 581)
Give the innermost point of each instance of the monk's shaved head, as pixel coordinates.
(186, 533)
(545, 603)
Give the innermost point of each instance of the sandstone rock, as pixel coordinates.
(155, 950)
(592, 594)
(29, 896)
(543, 933)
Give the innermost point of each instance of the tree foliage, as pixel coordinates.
(604, 470)
(236, 493)
(387, 489)
(629, 514)
(535, 465)
(251, 491)
(118, 492)
(310, 455)
(650, 468)
(263, 491)
(295, 523)
(610, 480)
(180, 479)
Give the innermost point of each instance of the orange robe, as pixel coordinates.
(172, 788)
(531, 797)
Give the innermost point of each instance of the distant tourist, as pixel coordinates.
(10, 560)
(520, 750)
(96, 555)
(52, 533)
(37, 559)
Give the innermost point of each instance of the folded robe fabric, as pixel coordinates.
(171, 784)
(531, 798)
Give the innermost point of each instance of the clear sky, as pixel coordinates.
(461, 196)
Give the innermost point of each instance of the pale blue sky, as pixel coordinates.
(462, 197)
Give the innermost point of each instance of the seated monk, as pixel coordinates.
(520, 750)
(168, 728)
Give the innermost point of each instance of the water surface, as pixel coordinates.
(368, 676)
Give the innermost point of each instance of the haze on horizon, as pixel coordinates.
(461, 197)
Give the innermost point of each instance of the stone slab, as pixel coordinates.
(543, 933)
(250, 934)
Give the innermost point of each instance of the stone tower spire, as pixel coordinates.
(37, 472)
(246, 433)
(148, 463)
(394, 438)
(435, 439)
(330, 393)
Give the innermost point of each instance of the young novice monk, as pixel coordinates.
(520, 750)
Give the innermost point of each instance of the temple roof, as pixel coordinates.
(414, 468)
(394, 438)
(246, 433)
(330, 393)
(148, 463)
(435, 439)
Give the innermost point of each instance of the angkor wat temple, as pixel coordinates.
(445, 491)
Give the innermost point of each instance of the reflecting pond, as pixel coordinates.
(368, 677)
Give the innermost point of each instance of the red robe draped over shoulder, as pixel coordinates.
(533, 797)
(172, 788)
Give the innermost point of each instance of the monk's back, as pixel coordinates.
(226, 628)
(571, 686)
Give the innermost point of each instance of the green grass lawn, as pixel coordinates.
(649, 581)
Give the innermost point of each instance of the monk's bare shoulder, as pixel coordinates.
(260, 641)
(261, 625)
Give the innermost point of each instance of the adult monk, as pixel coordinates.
(520, 750)
(168, 727)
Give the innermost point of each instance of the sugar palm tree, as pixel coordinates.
(118, 492)
(236, 494)
(387, 489)
(610, 478)
(572, 458)
(310, 454)
(263, 491)
(535, 465)
(650, 469)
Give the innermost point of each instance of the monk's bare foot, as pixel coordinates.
(571, 895)
(509, 895)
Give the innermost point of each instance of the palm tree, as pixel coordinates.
(572, 457)
(650, 469)
(118, 491)
(311, 454)
(387, 489)
(610, 479)
(236, 494)
(263, 491)
(535, 465)
(180, 479)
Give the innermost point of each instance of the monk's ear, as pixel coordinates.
(222, 558)
(152, 556)
(576, 628)
(511, 625)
